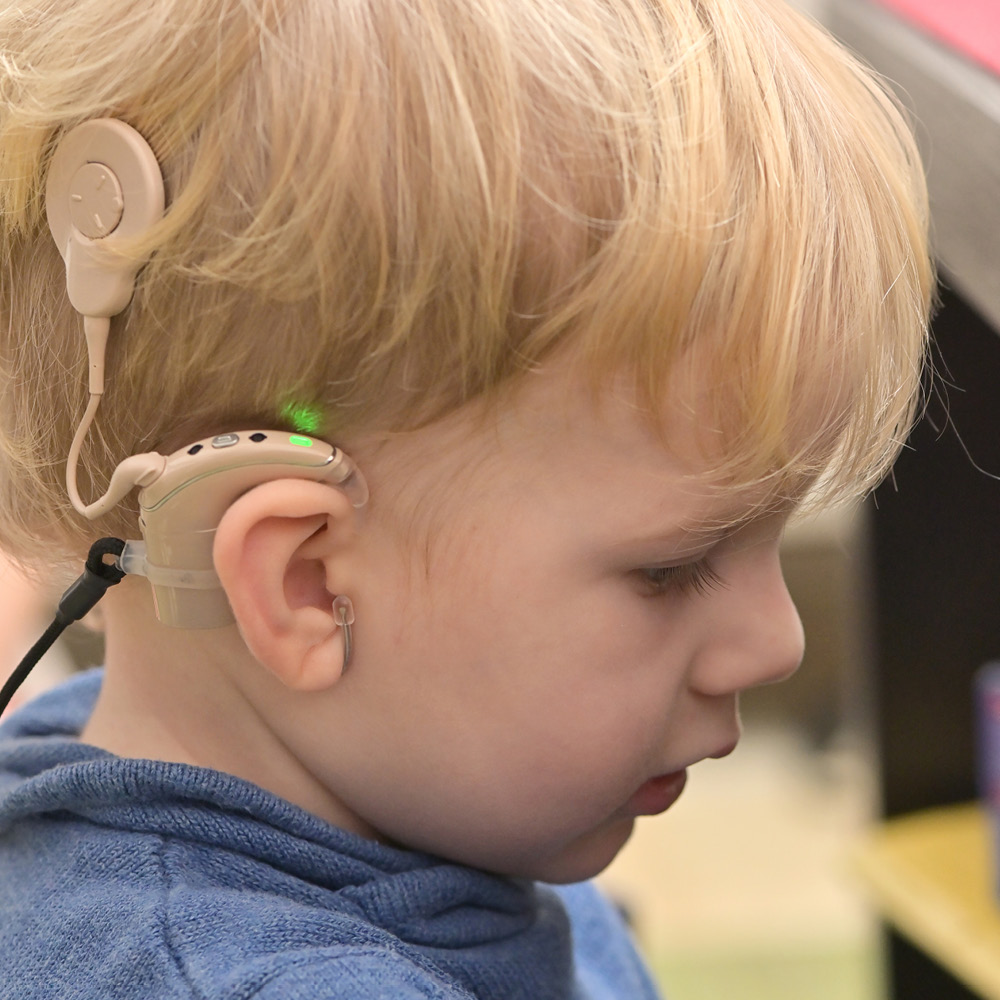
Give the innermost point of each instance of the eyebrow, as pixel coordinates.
(727, 524)
(704, 533)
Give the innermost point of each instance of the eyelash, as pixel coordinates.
(697, 578)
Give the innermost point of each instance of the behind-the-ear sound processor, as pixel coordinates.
(104, 193)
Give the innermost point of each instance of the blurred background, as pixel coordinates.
(751, 888)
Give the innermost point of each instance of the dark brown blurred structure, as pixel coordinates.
(935, 530)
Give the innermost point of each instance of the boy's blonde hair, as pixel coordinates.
(379, 211)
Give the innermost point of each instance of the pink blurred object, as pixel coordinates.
(971, 27)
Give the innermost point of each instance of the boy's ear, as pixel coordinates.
(279, 553)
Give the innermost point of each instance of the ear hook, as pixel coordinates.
(104, 189)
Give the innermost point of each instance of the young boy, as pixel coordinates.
(595, 294)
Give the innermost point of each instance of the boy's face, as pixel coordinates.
(574, 638)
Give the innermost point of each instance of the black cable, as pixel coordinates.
(79, 598)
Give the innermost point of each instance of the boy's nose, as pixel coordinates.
(759, 638)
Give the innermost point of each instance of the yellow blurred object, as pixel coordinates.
(933, 876)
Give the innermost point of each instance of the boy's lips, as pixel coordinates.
(657, 795)
(660, 793)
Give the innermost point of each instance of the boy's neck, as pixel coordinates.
(179, 696)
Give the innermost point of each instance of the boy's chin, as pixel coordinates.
(578, 861)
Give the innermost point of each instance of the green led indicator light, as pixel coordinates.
(303, 417)
(302, 442)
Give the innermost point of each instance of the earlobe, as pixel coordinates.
(282, 552)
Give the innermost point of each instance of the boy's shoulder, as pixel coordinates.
(143, 878)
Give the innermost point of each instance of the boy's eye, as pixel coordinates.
(689, 578)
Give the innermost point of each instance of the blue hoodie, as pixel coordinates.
(124, 879)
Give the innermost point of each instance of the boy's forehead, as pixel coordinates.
(560, 421)
(561, 406)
